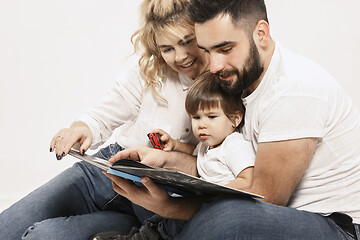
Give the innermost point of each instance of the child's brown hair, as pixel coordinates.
(206, 92)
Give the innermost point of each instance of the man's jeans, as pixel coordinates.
(226, 218)
(81, 202)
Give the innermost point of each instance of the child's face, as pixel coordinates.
(211, 126)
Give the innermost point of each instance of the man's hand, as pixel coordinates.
(178, 161)
(149, 156)
(155, 198)
(151, 197)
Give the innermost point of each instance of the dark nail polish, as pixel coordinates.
(83, 152)
(58, 157)
(50, 149)
(63, 154)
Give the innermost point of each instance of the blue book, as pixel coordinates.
(174, 181)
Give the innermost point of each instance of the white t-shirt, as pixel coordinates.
(221, 165)
(298, 99)
(133, 112)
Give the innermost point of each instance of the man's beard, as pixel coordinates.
(250, 73)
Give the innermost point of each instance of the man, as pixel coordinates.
(304, 129)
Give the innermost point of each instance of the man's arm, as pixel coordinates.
(279, 166)
(178, 161)
(184, 147)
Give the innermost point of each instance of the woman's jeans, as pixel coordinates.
(76, 204)
(81, 202)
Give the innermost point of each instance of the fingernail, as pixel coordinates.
(83, 151)
(50, 149)
(63, 154)
(58, 157)
(144, 180)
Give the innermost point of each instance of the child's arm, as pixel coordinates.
(243, 179)
(171, 144)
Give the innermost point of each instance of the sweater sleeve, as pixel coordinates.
(120, 105)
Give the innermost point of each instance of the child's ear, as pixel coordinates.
(237, 119)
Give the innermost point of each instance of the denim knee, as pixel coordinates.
(34, 232)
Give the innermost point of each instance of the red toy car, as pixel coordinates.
(155, 140)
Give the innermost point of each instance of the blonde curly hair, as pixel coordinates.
(157, 17)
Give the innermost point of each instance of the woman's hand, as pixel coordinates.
(66, 138)
(169, 143)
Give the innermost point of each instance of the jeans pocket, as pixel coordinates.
(107, 152)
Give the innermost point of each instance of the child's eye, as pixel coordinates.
(195, 117)
(212, 116)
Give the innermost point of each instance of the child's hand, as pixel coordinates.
(169, 143)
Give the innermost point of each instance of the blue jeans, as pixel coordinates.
(81, 202)
(76, 204)
(231, 218)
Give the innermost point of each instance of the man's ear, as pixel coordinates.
(261, 34)
(237, 118)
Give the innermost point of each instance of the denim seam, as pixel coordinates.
(108, 202)
(340, 233)
(357, 230)
(101, 155)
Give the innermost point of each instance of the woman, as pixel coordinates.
(81, 201)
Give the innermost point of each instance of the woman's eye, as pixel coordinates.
(188, 41)
(166, 50)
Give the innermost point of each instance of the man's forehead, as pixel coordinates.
(217, 31)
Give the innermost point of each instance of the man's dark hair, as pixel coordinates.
(246, 12)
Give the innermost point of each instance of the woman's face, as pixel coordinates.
(182, 54)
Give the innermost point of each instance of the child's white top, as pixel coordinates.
(221, 165)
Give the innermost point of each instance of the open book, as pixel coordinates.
(174, 181)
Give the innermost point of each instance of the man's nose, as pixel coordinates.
(216, 63)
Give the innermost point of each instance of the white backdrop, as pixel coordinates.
(59, 57)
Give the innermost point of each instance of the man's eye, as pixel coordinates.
(206, 51)
(226, 50)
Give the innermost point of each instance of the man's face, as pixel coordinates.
(233, 54)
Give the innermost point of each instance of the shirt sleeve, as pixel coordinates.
(293, 117)
(121, 104)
